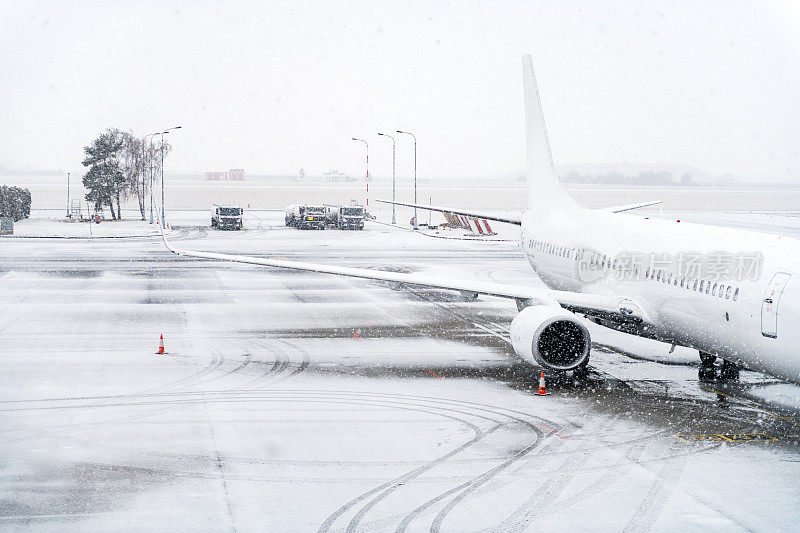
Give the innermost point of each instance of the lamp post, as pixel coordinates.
(416, 225)
(162, 169)
(366, 176)
(394, 176)
(69, 215)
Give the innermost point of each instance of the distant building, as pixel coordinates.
(234, 174)
(335, 175)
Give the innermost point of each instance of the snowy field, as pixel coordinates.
(294, 401)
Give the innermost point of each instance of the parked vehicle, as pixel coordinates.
(345, 216)
(227, 217)
(305, 216)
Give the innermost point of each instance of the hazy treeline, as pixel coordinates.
(15, 202)
(642, 178)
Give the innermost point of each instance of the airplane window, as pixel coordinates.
(736, 294)
(702, 284)
(728, 292)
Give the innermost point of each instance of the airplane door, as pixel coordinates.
(769, 305)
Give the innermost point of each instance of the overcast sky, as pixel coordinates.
(271, 87)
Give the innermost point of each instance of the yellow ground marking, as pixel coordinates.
(727, 437)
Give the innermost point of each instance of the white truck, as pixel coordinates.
(345, 216)
(305, 216)
(226, 217)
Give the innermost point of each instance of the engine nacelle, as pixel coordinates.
(550, 337)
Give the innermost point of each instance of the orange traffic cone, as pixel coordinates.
(541, 385)
(161, 347)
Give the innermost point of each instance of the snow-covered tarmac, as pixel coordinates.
(293, 401)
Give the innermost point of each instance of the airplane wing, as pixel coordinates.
(614, 307)
(629, 207)
(467, 213)
(511, 219)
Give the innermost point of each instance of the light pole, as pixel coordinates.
(162, 169)
(394, 188)
(68, 213)
(416, 225)
(366, 177)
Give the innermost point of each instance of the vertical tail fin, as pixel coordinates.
(544, 190)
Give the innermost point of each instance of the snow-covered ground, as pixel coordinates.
(294, 401)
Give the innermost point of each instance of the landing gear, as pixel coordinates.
(709, 371)
(582, 372)
(728, 371)
(707, 359)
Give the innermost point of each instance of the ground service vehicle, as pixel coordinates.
(305, 216)
(345, 217)
(226, 216)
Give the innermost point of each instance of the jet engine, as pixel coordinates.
(550, 337)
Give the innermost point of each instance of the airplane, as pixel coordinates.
(730, 294)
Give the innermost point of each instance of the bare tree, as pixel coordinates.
(132, 161)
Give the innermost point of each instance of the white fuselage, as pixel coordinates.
(728, 317)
